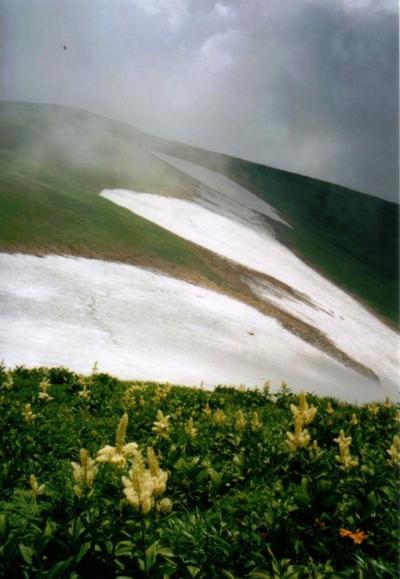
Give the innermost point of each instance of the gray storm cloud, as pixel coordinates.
(305, 85)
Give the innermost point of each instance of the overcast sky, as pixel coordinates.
(305, 85)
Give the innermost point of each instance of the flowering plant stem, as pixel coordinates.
(143, 526)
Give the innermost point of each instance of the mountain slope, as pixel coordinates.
(74, 183)
(349, 236)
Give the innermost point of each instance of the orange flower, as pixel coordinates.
(358, 536)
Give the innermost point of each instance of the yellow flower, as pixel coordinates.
(256, 422)
(302, 414)
(267, 387)
(191, 431)
(358, 536)
(397, 416)
(43, 387)
(306, 412)
(240, 420)
(394, 451)
(207, 410)
(119, 453)
(387, 403)
(164, 506)
(143, 484)
(300, 438)
(83, 473)
(8, 383)
(329, 408)
(373, 408)
(162, 391)
(159, 477)
(315, 448)
(128, 399)
(354, 420)
(344, 457)
(27, 413)
(36, 489)
(162, 426)
(219, 417)
(84, 393)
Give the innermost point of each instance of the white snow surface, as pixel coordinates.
(221, 193)
(140, 324)
(353, 328)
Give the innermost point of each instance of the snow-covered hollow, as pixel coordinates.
(140, 324)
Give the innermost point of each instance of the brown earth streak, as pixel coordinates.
(231, 282)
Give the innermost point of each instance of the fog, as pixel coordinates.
(307, 86)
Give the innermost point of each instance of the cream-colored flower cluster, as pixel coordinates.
(306, 412)
(300, 437)
(302, 415)
(329, 409)
(36, 488)
(162, 391)
(190, 429)
(240, 420)
(84, 473)
(87, 382)
(119, 453)
(256, 422)
(27, 413)
(8, 383)
(145, 483)
(219, 417)
(84, 392)
(129, 398)
(344, 457)
(387, 403)
(394, 451)
(43, 388)
(267, 387)
(162, 425)
(373, 408)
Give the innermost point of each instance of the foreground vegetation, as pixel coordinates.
(104, 478)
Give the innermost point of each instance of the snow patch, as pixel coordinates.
(353, 328)
(140, 324)
(222, 191)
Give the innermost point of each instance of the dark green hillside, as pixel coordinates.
(55, 160)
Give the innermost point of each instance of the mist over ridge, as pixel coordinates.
(310, 87)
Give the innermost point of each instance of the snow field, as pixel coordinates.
(140, 324)
(345, 321)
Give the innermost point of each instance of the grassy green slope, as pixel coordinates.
(53, 164)
(55, 160)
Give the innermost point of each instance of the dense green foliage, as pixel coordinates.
(243, 503)
(55, 160)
